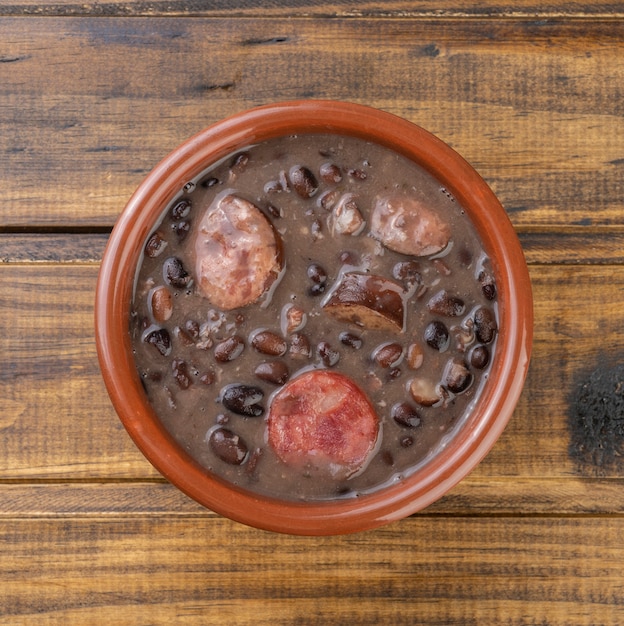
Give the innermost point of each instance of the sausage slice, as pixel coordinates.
(322, 419)
(406, 225)
(368, 301)
(237, 253)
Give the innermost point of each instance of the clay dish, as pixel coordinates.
(470, 443)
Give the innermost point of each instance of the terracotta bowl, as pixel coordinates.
(469, 445)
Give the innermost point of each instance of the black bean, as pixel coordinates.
(349, 257)
(273, 211)
(437, 336)
(273, 186)
(161, 303)
(239, 162)
(183, 336)
(317, 289)
(479, 357)
(415, 356)
(316, 273)
(424, 391)
(443, 303)
(182, 229)
(251, 466)
(179, 369)
(229, 349)
(243, 400)
(329, 199)
(488, 285)
(228, 446)
(161, 340)
(303, 181)
(210, 182)
(293, 318)
(406, 415)
(269, 343)
(329, 356)
(192, 328)
(485, 324)
(155, 245)
(180, 210)
(457, 378)
(300, 345)
(388, 354)
(358, 174)
(407, 271)
(330, 173)
(394, 373)
(275, 372)
(350, 339)
(175, 274)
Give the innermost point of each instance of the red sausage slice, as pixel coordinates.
(321, 419)
(237, 253)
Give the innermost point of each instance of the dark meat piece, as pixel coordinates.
(368, 301)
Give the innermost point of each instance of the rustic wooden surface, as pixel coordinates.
(92, 95)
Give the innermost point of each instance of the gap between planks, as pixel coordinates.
(492, 497)
(404, 9)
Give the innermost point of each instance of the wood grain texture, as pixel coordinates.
(535, 106)
(92, 95)
(316, 8)
(467, 571)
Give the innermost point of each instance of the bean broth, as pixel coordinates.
(331, 288)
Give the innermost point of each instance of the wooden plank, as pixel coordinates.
(55, 416)
(488, 495)
(540, 118)
(427, 570)
(58, 423)
(301, 8)
(52, 247)
(578, 245)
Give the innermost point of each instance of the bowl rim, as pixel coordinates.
(469, 444)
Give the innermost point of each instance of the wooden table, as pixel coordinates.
(93, 94)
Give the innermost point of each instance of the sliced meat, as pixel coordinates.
(237, 253)
(368, 301)
(323, 420)
(404, 224)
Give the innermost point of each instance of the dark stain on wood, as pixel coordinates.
(430, 50)
(217, 87)
(596, 420)
(13, 59)
(265, 41)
